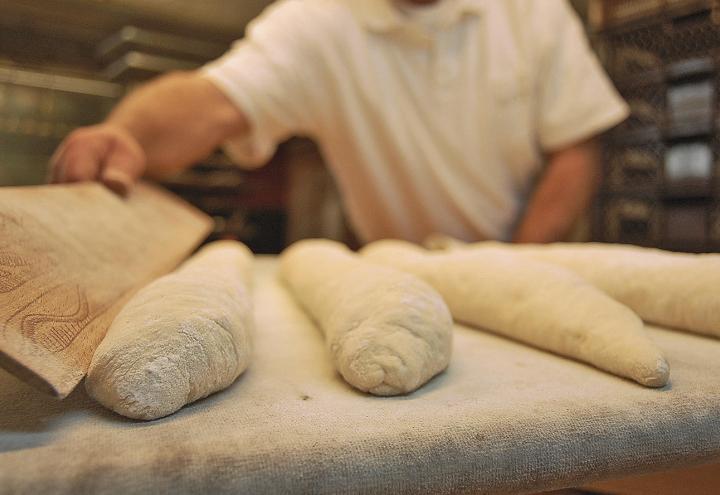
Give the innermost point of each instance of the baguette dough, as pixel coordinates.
(537, 303)
(388, 332)
(179, 339)
(671, 289)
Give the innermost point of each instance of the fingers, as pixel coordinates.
(81, 165)
(101, 153)
(57, 173)
(79, 157)
(123, 165)
(117, 181)
(55, 170)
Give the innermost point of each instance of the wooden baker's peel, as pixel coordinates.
(70, 256)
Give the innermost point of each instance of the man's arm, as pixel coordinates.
(562, 195)
(161, 128)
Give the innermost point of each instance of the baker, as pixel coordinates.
(472, 118)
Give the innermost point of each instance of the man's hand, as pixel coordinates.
(105, 153)
(158, 130)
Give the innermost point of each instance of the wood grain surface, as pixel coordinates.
(70, 256)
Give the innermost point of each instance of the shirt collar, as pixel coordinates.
(383, 17)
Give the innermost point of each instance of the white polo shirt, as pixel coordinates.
(427, 125)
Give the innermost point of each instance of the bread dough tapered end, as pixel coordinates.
(652, 372)
(166, 364)
(386, 361)
(660, 376)
(151, 390)
(631, 355)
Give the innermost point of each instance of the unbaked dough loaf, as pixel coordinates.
(537, 303)
(670, 289)
(388, 332)
(181, 338)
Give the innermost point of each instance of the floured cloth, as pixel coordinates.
(504, 418)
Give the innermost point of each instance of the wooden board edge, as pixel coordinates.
(199, 215)
(37, 379)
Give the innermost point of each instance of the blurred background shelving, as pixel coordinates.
(661, 183)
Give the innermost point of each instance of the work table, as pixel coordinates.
(503, 418)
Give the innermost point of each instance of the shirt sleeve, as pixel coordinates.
(267, 75)
(577, 100)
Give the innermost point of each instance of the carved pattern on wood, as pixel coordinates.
(14, 272)
(14, 268)
(56, 332)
